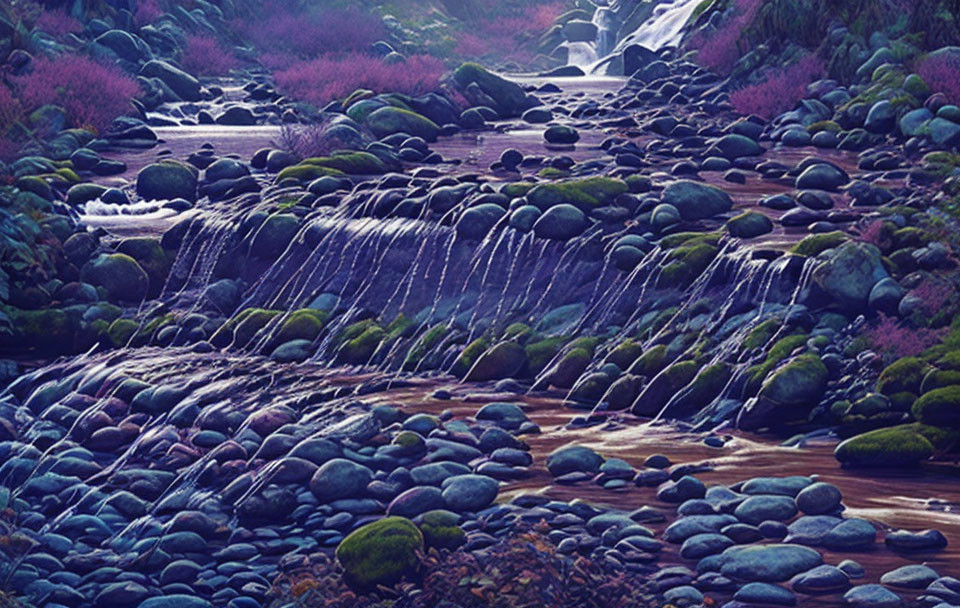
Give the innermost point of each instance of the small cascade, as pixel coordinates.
(664, 28)
(581, 54)
(606, 21)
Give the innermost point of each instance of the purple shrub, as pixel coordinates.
(308, 141)
(58, 24)
(720, 50)
(942, 75)
(148, 11)
(327, 78)
(92, 94)
(933, 296)
(780, 92)
(308, 34)
(893, 340)
(873, 233)
(205, 56)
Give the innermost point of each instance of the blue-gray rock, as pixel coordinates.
(766, 594)
(822, 579)
(819, 498)
(758, 509)
(561, 222)
(340, 478)
(415, 501)
(768, 563)
(695, 201)
(469, 492)
(176, 601)
(872, 596)
(881, 118)
(702, 545)
(433, 474)
(476, 222)
(913, 576)
(681, 490)
(850, 535)
(573, 459)
(822, 176)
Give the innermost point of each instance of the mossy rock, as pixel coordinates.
(424, 345)
(351, 163)
(517, 189)
(541, 353)
(802, 381)
(168, 180)
(685, 264)
(305, 172)
(663, 387)
(815, 244)
(570, 367)
(360, 349)
(273, 236)
(243, 327)
(702, 390)
(672, 241)
(509, 97)
(504, 360)
(777, 353)
(152, 258)
(903, 375)
(441, 529)
(696, 201)
(936, 378)
(650, 363)
(304, 324)
(518, 332)
(119, 274)
(940, 407)
(121, 331)
(760, 335)
(749, 224)
(899, 446)
(389, 120)
(52, 330)
(584, 194)
(380, 553)
(84, 193)
(469, 356)
(624, 355)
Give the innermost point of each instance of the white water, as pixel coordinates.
(664, 28)
(581, 54)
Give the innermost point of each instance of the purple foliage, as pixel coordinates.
(92, 94)
(58, 23)
(321, 80)
(205, 56)
(307, 141)
(894, 340)
(720, 50)
(148, 11)
(780, 92)
(933, 295)
(308, 34)
(942, 75)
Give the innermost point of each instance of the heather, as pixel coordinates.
(327, 78)
(207, 56)
(58, 23)
(92, 94)
(720, 49)
(780, 90)
(942, 75)
(507, 36)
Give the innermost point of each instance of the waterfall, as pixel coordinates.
(581, 54)
(606, 22)
(664, 28)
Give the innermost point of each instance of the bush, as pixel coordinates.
(306, 34)
(92, 94)
(322, 80)
(780, 92)
(720, 50)
(205, 56)
(58, 24)
(942, 75)
(503, 36)
(895, 340)
(148, 11)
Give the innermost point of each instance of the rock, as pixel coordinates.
(561, 223)
(927, 540)
(822, 176)
(561, 134)
(765, 594)
(849, 272)
(914, 122)
(579, 30)
(476, 222)
(749, 224)
(944, 132)
(184, 85)
(508, 97)
(734, 146)
(702, 545)
(881, 118)
(851, 535)
(507, 415)
(340, 478)
(467, 493)
(575, 458)
(681, 490)
(768, 563)
(523, 218)
(819, 498)
(237, 116)
(913, 576)
(872, 596)
(939, 407)
(120, 275)
(380, 553)
(885, 296)
(121, 595)
(822, 579)
(664, 216)
(504, 360)
(389, 120)
(696, 201)
(176, 600)
(635, 57)
(167, 180)
(787, 394)
(416, 501)
(890, 447)
(758, 509)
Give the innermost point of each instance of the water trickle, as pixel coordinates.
(664, 28)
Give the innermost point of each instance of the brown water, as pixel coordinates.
(912, 500)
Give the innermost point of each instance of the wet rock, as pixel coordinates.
(184, 85)
(122, 277)
(696, 201)
(765, 594)
(768, 563)
(465, 493)
(822, 176)
(913, 576)
(380, 553)
(339, 478)
(872, 596)
(851, 535)
(681, 490)
(504, 360)
(561, 134)
(415, 501)
(167, 180)
(749, 225)
(849, 273)
(758, 509)
(702, 545)
(819, 498)
(734, 146)
(822, 579)
(927, 540)
(573, 459)
(560, 222)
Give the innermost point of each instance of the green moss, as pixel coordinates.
(441, 530)
(470, 355)
(898, 446)
(585, 194)
(939, 407)
(359, 341)
(380, 553)
(121, 331)
(936, 378)
(303, 324)
(664, 386)
(517, 189)
(508, 96)
(760, 335)
(427, 342)
(518, 332)
(625, 353)
(541, 352)
(242, 327)
(570, 367)
(941, 164)
(815, 244)
(689, 238)
(778, 352)
(651, 362)
(389, 120)
(685, 264)
(824, 125)
(155, 324)
(552, 173)
(352, 163)
(705, 387)
(306, 172)
(504, 360)
(903, 375)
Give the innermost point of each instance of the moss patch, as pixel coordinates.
(381, 553)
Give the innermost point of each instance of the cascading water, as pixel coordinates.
(606, 21)
(664, 28)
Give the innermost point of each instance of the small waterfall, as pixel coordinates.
(664, 28)
(581, 54)
(606, 22)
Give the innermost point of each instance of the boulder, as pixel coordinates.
(184, 85)
(696, 201)
(122, 277)
(380, 553)
(767, 563)
(167, 180)
(561, 223)
(848, 274)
